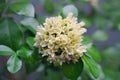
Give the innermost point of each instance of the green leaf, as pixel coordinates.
(91, 65)
(23, 8)
(86, 41)
(70, 9)
(14, 64)
(30, 41)
(26, 54)
(94, 52)
(72, 71)
(11, 34)
(23, 52)
(33, 62)
(101, 76)
(30, 23)
(31, 58)
(100, 35)
(4, 50)
(2, 8)
(49, 6)
(91, 49)
(53, 75)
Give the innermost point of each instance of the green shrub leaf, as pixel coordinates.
(30, 23)
(70, 9)
(91, 65)
(11, 34)
(14, 64)
(2, 8)
(4, 50)
(30, 41)
(91, 49)
(94, 52)
(72, 71)
(53, 75)
(23, 8)
(24, 53)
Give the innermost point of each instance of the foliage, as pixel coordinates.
(18, 26)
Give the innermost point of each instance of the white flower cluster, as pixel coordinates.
(60, 39)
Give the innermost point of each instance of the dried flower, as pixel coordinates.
(60, 39)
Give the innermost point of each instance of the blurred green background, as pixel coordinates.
(102, 18)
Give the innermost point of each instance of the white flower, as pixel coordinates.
(60, 39)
